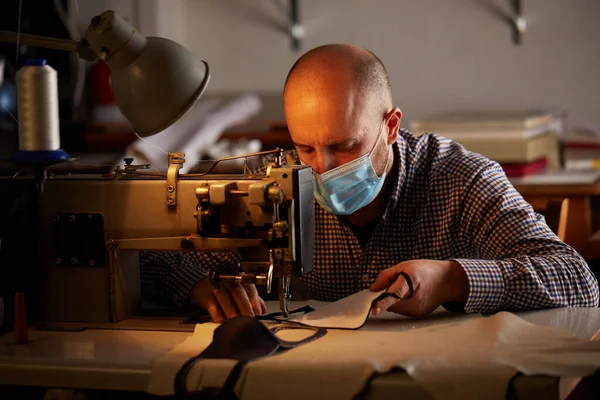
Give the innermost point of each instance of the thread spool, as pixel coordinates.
(37, 94)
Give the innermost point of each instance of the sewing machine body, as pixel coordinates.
(93, 227)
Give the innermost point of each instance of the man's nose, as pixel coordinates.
(325, 162)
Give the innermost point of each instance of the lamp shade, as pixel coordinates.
(154, 80)
(159, 87)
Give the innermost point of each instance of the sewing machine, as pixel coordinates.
(93, 228)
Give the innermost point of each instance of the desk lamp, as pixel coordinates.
(154, 80)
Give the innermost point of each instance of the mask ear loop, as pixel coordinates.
(387, 161)
(286, 344)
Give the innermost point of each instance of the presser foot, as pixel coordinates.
(284, 295)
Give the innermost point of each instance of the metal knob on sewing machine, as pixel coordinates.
(257, 276)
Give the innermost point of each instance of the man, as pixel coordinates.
(387, 202)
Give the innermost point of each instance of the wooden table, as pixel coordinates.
(118, 363)
(580, 193)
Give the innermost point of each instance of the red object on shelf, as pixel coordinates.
(582, 145)
(525, 169)
(100, 86)
(21, 333)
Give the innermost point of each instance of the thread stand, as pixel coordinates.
(38, 162)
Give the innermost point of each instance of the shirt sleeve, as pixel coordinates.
(168, 276)
(521, 263)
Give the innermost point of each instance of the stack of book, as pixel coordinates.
(522, 143)
(581, 150)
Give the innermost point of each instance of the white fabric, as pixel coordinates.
(463, 356)
(348, 313)
(195, 132)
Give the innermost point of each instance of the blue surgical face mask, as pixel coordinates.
(349, 187)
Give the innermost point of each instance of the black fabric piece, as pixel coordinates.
(244, 339)
(273, 316)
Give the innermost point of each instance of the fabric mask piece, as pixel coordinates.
(243, 339)
(349, 187)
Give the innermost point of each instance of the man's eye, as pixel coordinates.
(306, 150)
(347, 147)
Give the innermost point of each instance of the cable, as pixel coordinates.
(9, 113)
(150, 143)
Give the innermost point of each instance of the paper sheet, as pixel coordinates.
(467, 357)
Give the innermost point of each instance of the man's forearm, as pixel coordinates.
(169, 276)
(528, 283)
(523, 264)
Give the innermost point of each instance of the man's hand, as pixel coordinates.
(231, 300)
(434, 283)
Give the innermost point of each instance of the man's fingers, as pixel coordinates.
(408, 308)
(226, 303)
(213, 309)
(241, 299)
(383, 305)
(399, 288)
(263, 306)
(383, 279)
(254, 299)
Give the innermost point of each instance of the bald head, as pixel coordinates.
(349, 65)
(335, 99)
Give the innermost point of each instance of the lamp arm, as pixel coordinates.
(81, 48)
(38, 41)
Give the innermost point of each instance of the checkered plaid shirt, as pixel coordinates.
(447, 204)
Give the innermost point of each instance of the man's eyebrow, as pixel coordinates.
(343, 143)
(301, 145)
(337, 143)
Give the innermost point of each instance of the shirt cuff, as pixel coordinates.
(183, 279)
(486, 285)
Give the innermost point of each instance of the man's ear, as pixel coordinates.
(393, 118)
